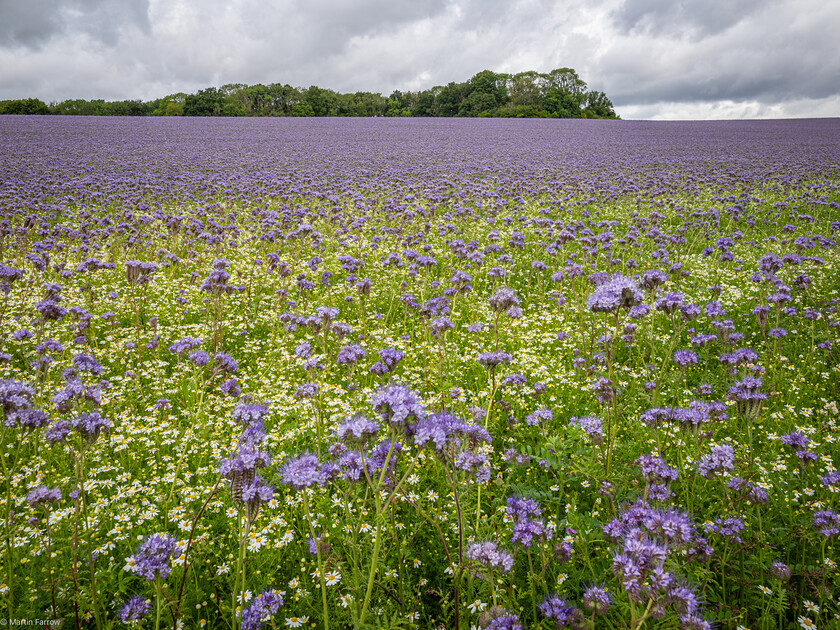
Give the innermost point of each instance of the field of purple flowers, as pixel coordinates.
(420, 373)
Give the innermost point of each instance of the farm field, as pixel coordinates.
(385, 373)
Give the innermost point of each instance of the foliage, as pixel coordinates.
(556, 94)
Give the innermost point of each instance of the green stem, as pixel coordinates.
(378, 541)
(320, 562)
(240, 562)
(159, 598)
(531, 578)
(486, 424)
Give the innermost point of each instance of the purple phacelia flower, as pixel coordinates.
(617, 292)
(562, 614)
(42, 495)
(490, 556)
(350, 354)
(356, 431)
(591, 426)
(397, 405)
(826, 522)
(134, 609)
(151, 561)
(597, 599)
(685, 358)
(302, 472)
(58, 431)
(721, 459)
(261, 609)
(185, 345)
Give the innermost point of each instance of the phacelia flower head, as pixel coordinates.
(591, 426)
(721, 459)
(134, 609)
(397, 405)
(350, 354)
(248, 413)
(490, 557)
(356, 431)
(491, 360)
(151, 561)
(780, 571)
(597, 599)
(261, 609)
(827, 522)
(685, 358)
(748, 396)
(562, 614)
(89, 425)
(185, 345)
(501, 619)
(617, 292)
(503, 300)
(14, 396)
(42, 495)
(655, 470)
(303, 471)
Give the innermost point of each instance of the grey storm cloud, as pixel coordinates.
(33, 23)
(770, 53)
(683, 18)
(655, 58)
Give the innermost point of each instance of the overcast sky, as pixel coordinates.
(661, 59)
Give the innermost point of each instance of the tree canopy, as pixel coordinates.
(560, 93)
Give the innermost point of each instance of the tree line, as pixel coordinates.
(560, 93)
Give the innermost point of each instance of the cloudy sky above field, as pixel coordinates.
(672, 59)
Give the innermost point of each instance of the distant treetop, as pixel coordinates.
(560, 93)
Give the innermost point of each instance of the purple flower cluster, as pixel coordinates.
(224, 364)
(527, 526)
(305, 471)
(397, 405)
(748, 396)
(151, 560)
(615, 293)
(728, 528)
(490, 557)
(826, 522)
(350, 354)
(685, 358)
(248, 413)
(591, 426)
(721, 459)
(388, 360)
(562, 614)
(648, 538)
(504, 300)
(597, 599)
(539, 416)
(503, 620)
(185, 345)
(492, 360)
(134, 609)
(748, 490)
(74, 395)
(261, 609)
(356, 431)
(42, 495)
(138, 272)
(89, 425)
(655, 470)
(14, 397)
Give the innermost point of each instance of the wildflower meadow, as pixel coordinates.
(383, 373)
